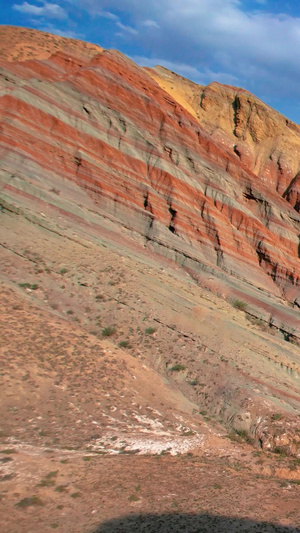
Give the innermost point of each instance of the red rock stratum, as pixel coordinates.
(100, 121)
(92, 144)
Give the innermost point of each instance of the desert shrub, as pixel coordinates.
(27, 502)
(177, 368)
(108, 331)
(124, 344)
(150, 330)
(239, 435)
(276, 416)
(280, 450)
(8, 451)
(33, 286)
(133, 498)
(239, 304)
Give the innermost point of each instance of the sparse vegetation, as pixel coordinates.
(61, 488)
(280, 450)
(46, 483)
(124, 344)
(133, 498)
(177, 368)
(277, 416)
(150, 331)
(108, 331)
(48, 480)
(194, 382)
(28, 502)
(239, 304)
(239, 435)
(8, 451)
(258, 322)
(27, 285)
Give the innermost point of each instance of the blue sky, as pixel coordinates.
(254, 44)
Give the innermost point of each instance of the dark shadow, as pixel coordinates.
(189, 523)
(235, 106)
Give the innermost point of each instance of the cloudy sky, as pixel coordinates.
(253, 44)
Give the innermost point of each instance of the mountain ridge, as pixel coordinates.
(149, 296)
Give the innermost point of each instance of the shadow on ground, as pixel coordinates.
(188, 523)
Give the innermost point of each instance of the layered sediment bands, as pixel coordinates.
(264, 140)
(135, 154)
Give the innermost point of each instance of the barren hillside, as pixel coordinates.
(149, 305)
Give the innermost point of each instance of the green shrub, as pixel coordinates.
(177, 368)
(8, 451)
(150, 330)
(27, 502)
(239, 435)
(280, 450)
(27, 285)
(108, 331)
(276, 416)
(61, 488)
(124, 344)
(133, 498)
(239, 304)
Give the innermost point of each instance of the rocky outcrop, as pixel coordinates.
(95, 154)
(264, 140)
(193, 192)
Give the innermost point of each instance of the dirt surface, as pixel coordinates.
(143, 388)
(88, 493)
(22, 44)
(100, 430)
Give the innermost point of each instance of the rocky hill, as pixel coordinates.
(265, 141)
(150, 284)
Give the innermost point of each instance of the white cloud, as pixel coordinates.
(48, 10)
(202, 77)
(193, 27)
(127, 29)
(179, 68)
(104, 14)
(257, 49)
(150, 23)
(50, 28)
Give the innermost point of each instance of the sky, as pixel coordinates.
(254, 44)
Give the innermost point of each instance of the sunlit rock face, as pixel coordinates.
(206, 176)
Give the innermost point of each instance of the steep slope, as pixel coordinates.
(149, 354)
(93, 149)
(139, 156)
(265, 141)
